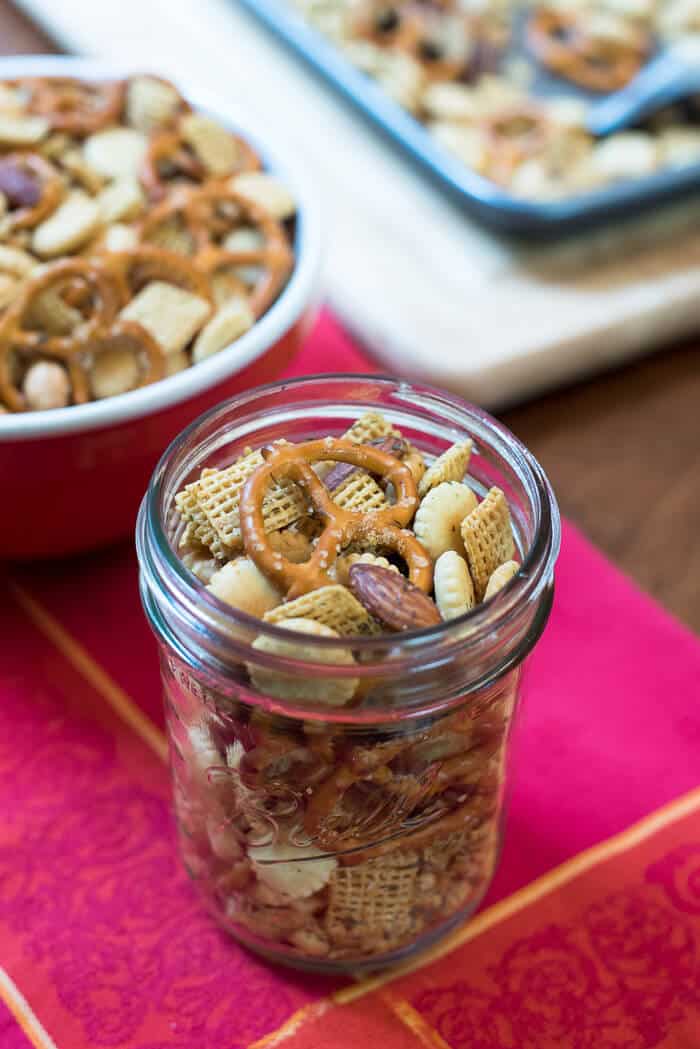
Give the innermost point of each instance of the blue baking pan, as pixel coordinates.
(480, 197)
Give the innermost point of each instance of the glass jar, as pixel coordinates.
(326, 831)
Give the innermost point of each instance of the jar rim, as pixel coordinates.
(166, 574)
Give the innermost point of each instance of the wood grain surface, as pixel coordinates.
(622, 450)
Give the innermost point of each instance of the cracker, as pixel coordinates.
(333, 606)
(502, 575)
(51, 313)
(72, 224)
(119, 237)
(168, 313)
(488, 539)
(116, 151)
(369, 427)
(22, 130)
(150, 103)
(439, 516)
(219, 494)
(214, 145)
(80, 171)
(16, 262)
(267, 192)
(376, 898)
(454, 590)
(187, 502)
(227, 325)
(241, 584)
(334, 692)
(450, 466)
(359, 493)
(121, 201)
(346, 561)
(292, 870)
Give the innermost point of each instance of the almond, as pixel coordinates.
(392, 599)
(395, 446)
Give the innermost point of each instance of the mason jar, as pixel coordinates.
(355, 815)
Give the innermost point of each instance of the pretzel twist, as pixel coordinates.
(76, 106)
(169, 158)
(386, 527)
(559, 40)
(101, 297)
(33, 167)
(207, 215)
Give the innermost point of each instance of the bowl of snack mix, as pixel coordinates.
(345, 575)
(156, 256)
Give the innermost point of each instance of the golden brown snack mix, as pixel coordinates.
(81, 166)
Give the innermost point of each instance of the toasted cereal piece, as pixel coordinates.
(114, 371)
(150, 103)
(56, 145)
(50, 312)
(176, 362)
(119, 237)
(450, 466)
(499, 577)
(369, 427)
(267, 192)
(240, 583)
(170, 314)
(359, 493)
(333, 606)
(373, 899)
(488, 539)
(72, 224)
(439, 516)
(334, 692)
(46, 385)
(292, 544)
(187, 502)
(80, 171)
(213, 144)
(16, 130)
(416, 464)
(9, 286)
(121, 201)
(227, 325)
(454, 590)
(116, 151)
(292, 870)
(16, 262)
(219, 495)
(346, 561)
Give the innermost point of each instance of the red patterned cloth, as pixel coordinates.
(104, 942)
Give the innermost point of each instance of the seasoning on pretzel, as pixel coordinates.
(386, 527)
(561, 42)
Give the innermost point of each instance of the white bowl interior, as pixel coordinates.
(299, 292)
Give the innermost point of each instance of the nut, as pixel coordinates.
(392, 599)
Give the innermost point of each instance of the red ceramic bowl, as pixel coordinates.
(71, 479)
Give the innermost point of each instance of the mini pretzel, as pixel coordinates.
(386, 527)
(138, 267)
(105, 300)
(32, 187)
(169, 158)
(208, 215)
(406, 27)
(559, 40)
(76, 106)
(512, 136)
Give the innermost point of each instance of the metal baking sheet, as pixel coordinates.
(479, 196)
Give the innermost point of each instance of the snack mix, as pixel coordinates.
(137, 238)
(310, 841)
(457, 67)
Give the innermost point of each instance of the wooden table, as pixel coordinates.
(622, 450)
